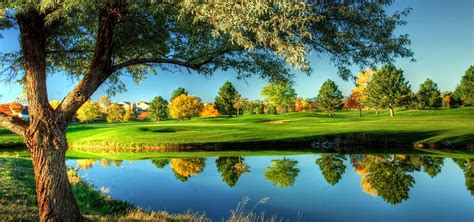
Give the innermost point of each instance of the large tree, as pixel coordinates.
(280, 96)
(97, 42)
(178, 92)
(428, 95)
(329, 97)
(465, 90)
(225, 99)
(387, 88)
(158, 109)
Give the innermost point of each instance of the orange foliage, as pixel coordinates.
(299, 106)
(209, 110)
(143, 116)
(10, 108)
(353, 101)
(187, 167)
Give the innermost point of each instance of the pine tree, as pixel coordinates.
(428, 95)
(329, 97)
(158, 109)
(225, 99)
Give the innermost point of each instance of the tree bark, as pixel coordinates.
(56, 201)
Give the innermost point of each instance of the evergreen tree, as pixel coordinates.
(177, 92)
(428, 95)
(465, 90)
(158, 109)
(329, 97)
(225, 99)
(387, 88)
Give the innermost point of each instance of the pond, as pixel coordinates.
(307, 187)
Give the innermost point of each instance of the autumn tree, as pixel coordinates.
(239, 103)
(231, 168)
(209, 110)
(225, 99)
(332, 167)
(158, 109)
(10, 109)
(329, 97)
(89, 112)
(428, 95)
(282, 173)
(54, 104)
(187, 167)
(357, 98)
(97, 42)
(465, 89)
(280, 96)
(184, 106)
(143, 116)
(114, 113)
(104, 102)
(178, 92)
(128, 115)
(254, 107)
(387, 88)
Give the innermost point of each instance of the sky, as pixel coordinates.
(441, 33)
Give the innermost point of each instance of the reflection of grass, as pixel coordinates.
(454, 126)
(18, 198)
(127, 155)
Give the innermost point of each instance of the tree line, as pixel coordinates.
(377, 89)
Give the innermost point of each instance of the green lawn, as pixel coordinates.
(454, 126)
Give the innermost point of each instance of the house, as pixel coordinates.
(142, 106)
(127, 105)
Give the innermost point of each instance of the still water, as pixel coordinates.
(310, 187)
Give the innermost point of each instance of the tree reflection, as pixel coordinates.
(85, 164)
(332, 167)
(282, 173)
(467, 165)
(117, 163)
(185, 168)
(160, 163)
(231, 168)
(387, 176)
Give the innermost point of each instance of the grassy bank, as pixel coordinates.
(446, 127)
(18, 198)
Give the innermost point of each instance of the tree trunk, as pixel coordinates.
(56, 201)
(377, 112)
(360, 112)
(392, 114)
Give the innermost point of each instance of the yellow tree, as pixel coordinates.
(184, 106)
(357, 97)
(114, 113)
(54, 104)
(89, 112)
(187, 167)
(209, 110)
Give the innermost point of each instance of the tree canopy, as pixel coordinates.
(225, 99)
(465, 90)
(178, 92)
(428, 95)
(329, 97)
(158, 109)
(282, 173)
(387, 88)
(280, 96)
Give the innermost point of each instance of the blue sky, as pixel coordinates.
(442, 34)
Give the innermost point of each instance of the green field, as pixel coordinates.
(446, 127)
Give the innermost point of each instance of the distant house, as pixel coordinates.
(142, 106)
(127, 105)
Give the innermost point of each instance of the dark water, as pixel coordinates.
(324, 187)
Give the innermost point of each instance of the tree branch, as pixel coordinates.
(99, 69)
(13, 123)
(185, 63)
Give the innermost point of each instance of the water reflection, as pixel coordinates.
(282, 173)
(185, 168)
(231, 168)
(389, 176)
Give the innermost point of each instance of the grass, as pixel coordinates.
(450, 127)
